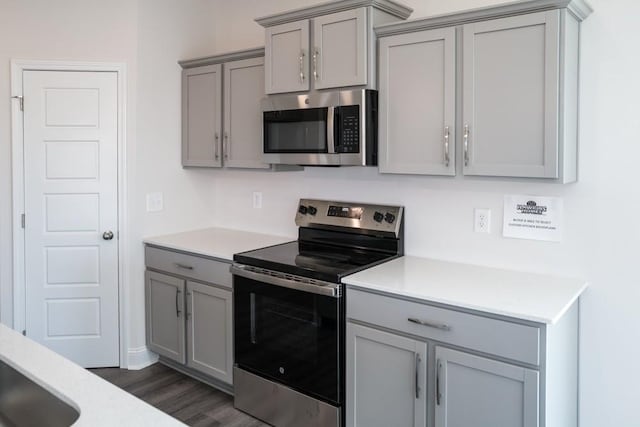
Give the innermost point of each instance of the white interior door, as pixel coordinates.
(70, 178)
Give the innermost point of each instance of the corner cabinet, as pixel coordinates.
(442, 366)
(327, 46)
(221, 115)
(189, 317)
(500, 83)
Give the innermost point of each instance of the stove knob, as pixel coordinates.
(302, 209)
(312, 210)
(389, 217)
(378, 217)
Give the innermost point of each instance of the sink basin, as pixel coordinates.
(24, 403)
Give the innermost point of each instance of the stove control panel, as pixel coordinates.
(348, 215)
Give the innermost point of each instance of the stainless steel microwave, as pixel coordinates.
(322, 129)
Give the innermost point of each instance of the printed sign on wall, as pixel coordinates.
(533, 217)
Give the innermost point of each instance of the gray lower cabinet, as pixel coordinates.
(165, 315)
(209, 320)
(189, 313)
(387, 378)
(414, 363)
(476, 391)
(221, 110)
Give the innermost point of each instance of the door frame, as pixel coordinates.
(17, 163)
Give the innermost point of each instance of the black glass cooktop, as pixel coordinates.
(317, 261)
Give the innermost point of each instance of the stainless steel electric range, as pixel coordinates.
(289, 311)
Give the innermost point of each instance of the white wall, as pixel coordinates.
(601, 229)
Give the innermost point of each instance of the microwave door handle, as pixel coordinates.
(331, 148)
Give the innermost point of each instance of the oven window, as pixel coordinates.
(296, 131)
(289, 336)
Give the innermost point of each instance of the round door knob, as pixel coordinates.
(107, 235)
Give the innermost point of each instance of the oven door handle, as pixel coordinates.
(318, 287)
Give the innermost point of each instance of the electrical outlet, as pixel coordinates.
(257, 200)
(155, 202)
(482, 221)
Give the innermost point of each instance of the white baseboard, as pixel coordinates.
(140, 357)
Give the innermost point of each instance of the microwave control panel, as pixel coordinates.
(348, 138)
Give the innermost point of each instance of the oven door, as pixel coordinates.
(289, 336)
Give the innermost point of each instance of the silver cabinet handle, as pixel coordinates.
(301, 58)
(217, 154)
(107, 235)
(315, 64)
(178, 292)
(185, 266)
(438, 394)
(430, 324)
(225, 148)
(417, 376)
(446, 146)
(465, 139)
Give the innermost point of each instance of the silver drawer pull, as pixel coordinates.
(186, 267)
(441, 326)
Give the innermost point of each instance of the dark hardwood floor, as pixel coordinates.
(182, 397)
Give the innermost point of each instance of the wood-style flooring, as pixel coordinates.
(182, 397)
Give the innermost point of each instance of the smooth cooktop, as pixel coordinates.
(321, 262)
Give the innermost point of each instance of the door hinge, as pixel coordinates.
(22, 220)
(21, 99)
(24, 332)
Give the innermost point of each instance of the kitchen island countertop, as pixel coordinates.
(527, 296)
(214, 242)
(99, 402)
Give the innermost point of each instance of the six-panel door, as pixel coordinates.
(209, 326)
(165, 315)
(386, 379)
(475, 391)
(417, 103)
(202, 116)
(287, 57)
(339, 54)
(243, 91)
(510, 96)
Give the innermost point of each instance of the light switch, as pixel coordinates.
(155, 202)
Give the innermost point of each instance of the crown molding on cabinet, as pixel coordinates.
(391, 7)
(579, 8)
(225, 57)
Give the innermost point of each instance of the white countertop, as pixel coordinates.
(528, 296)
(216, 242)
(99, 402)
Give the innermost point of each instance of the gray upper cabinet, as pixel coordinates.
(510, 96)
(209, 320)
(417, 78)
(243, 88)
(516, 91)
(165, 315)
(339, 55)
(213, 136)
(475, 391)
(202, 116)
(386, 384)
(287, 57)
(325, 46)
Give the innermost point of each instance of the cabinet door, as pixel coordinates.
(202, 116)
(243, 89)
(210, 331)
(386, 378)
(510, 106)
(339, 56)
(417, 103)
(287, 57)
(474, 391)
(165, 315)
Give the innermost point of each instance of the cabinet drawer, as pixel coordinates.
(502, 338)
(190, 266)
